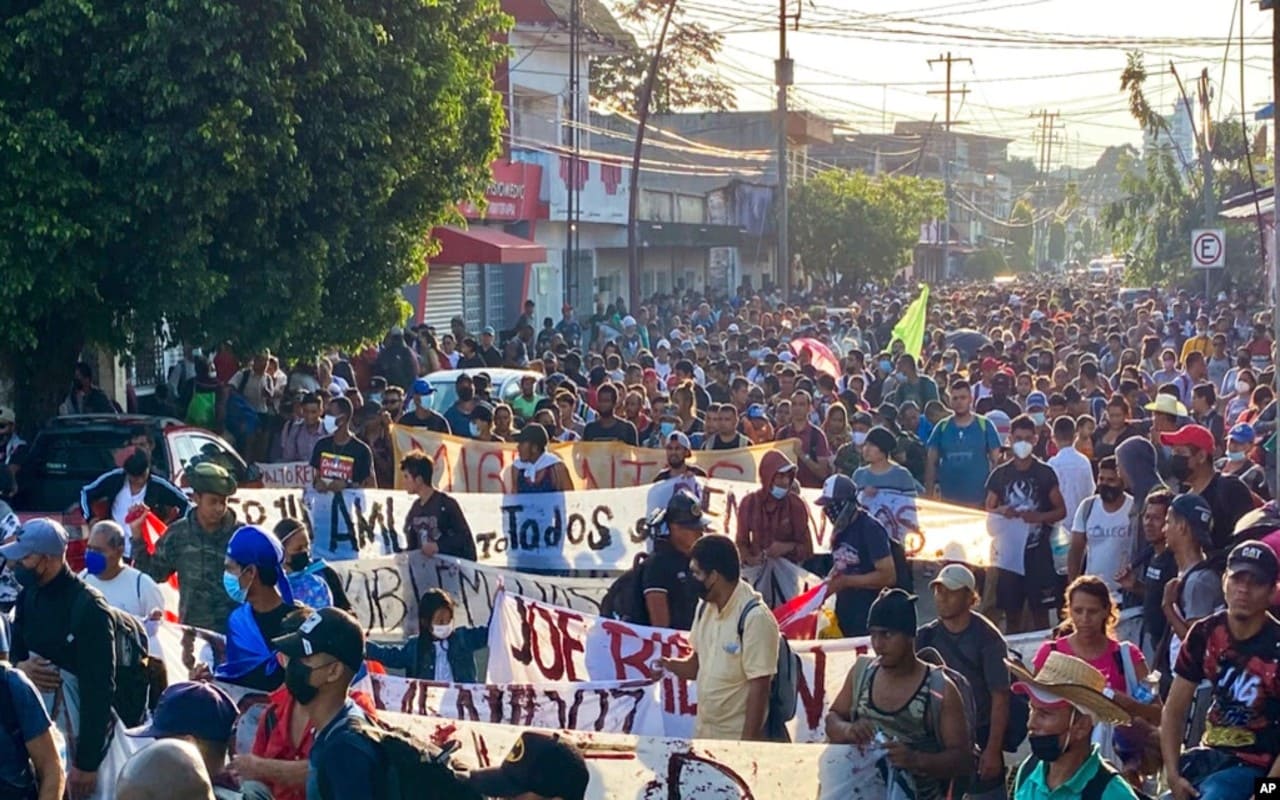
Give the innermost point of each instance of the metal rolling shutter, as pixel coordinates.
(444, 296)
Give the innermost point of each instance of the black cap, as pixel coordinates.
(683, 508)
(837, 488)
(329, 630)
(1193, 508)
(483, 412)
(540, 763)
(1255, 557)
(887, 411)
(191, 708)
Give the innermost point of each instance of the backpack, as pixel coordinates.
(1093, 790)
(783, 689)
(25, 787)
(409, 769)
(135, 671)
(1015, 732)
(624, 598)
(202, 411)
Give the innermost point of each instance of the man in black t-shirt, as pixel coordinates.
(423, 416)
(1237, 651)
(669, 592)
(678, 466)
(340, 460)
(1026, 489)
(1192, 464)
(435, 523)
(861, 555)
(1147, 576)
(609, 428)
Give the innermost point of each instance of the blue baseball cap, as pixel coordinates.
(1242, 433)
(251, 546)
(422, 386)
(756, 411)
(191, 708)
(1037, 400)
(37, 537)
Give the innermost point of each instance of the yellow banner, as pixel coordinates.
(464, 465)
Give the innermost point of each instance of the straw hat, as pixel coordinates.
(1167, 404)
(1065, 678)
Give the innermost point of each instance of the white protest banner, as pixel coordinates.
(532, 642)
(593, 530)
(384, 591)
(286, 474)
(648, 767)
(619, 707)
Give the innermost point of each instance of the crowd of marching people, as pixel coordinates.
(1123, 452)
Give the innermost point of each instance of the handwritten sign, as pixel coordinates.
(616, 706)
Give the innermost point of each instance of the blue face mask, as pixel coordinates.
(95, 562)
(778, 492)
(885, 366)
(231, 583)
(1038, 418)
(475, 431)
(666, 428)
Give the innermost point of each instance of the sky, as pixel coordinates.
(865, 62)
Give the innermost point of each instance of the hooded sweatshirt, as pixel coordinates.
(1137, 460)
(763, 519)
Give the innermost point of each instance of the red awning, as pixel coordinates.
(484, 246)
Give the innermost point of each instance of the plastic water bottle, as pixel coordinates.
(1060, 541)
(1145, 691)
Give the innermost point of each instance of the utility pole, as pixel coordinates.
(1040, 238)
(633, 199)
(948, 153)
(784, 74)
(571, 266)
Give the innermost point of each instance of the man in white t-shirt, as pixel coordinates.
(1075, 473)
(1101, 532)
(125, 588)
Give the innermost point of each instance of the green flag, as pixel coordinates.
(910, 329)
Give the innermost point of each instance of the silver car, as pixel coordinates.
(505, 385)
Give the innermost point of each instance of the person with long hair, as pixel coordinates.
(836, 426)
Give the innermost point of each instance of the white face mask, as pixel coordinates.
(1243, 388)
(1022, 449)
(859, 438)
(329, 422)
(442, 632)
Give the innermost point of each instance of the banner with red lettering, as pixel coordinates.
(465, 465)
(633, 707)
(534, 642)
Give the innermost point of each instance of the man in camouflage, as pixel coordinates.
(195, 547)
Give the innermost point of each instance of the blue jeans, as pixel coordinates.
(1232, 783)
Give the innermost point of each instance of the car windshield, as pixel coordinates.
(85, 453)
(446, 394)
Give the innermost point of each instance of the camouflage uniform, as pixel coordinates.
(199, 558)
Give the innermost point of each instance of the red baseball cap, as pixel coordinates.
(1197, 436)
(989, 364)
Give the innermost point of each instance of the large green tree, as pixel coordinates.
(848, 224)
(263, 172)
(686, 79)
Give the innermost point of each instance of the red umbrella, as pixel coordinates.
(820, 356)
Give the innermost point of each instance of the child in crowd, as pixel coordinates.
(440, 652)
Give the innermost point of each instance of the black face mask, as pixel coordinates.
(297, 677)
(465, 394)
(1110, 493)
(1049, 747)
(137, 464)
(299, 561)
(1180, 466)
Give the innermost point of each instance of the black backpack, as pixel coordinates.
(624, 599)
(1092, 790)
(1015, 732)
(410, 770)
(783, 687)
(135, 671)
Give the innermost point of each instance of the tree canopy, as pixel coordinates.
(267, 173)
(851, 225)
(684, 81)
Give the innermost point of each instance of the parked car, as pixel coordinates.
(71, 451)
(505, 385)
